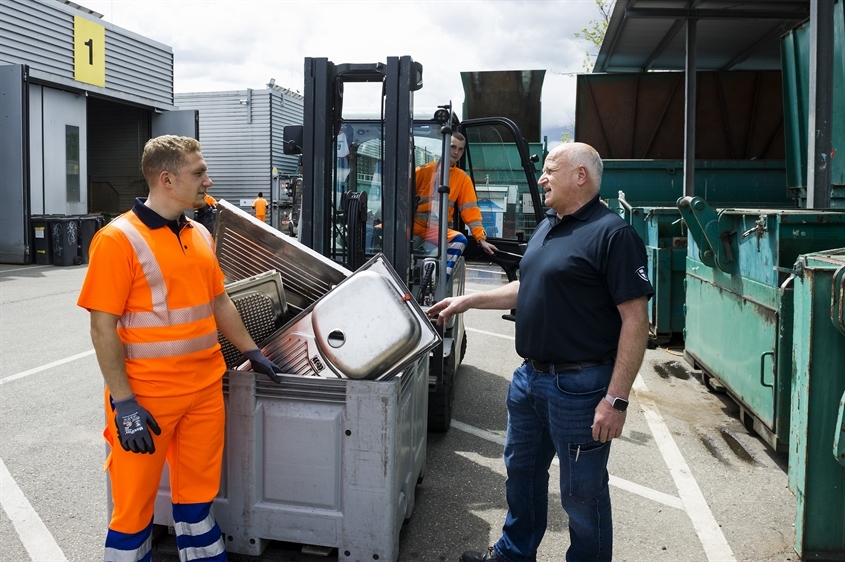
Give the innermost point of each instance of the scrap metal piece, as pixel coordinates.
(368, 327)
(260, 301)
(247, 247)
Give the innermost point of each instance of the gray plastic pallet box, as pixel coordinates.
(329, 462)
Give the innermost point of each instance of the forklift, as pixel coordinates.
(359, 192)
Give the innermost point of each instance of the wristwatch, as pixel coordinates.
(618, 403)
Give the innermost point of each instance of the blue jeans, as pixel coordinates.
(552, 413)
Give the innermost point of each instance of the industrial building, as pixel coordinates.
(80, 97)
(242, 135)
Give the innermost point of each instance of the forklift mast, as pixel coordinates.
(359, 194)
(324, 86)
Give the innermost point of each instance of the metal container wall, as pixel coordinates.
(738, 322)
(640, 115)
(665, 242)
(795, 57)
(818, 395)
(328, 462)
(722, 183)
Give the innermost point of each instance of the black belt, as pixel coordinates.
(567, 367)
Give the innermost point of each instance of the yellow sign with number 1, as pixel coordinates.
(89, 52)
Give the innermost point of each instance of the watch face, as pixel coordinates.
(620, 404)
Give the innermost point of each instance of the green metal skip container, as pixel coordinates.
(739, 308)
(817, 429)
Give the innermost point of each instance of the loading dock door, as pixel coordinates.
(14, 188)
(183, 122)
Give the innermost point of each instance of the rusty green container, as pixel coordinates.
(665, 239)
(816, 455)
(738, 310)
(795, 62)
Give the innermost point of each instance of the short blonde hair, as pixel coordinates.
(166, 153)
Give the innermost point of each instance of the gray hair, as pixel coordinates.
(583, 154)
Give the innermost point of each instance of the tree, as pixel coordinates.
(593, 34)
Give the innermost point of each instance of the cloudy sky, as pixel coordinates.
(240, 44)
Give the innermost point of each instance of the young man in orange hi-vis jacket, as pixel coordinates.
(462, 192)
(259, 206)
(156, 297)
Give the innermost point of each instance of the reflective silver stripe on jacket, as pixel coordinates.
(115, 555)
(427, 216)
(205, 234)
(155, 280)
(170, 348)
(161, 316)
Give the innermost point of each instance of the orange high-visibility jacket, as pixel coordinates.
(260, 205)
(460, 191)
(163, 288)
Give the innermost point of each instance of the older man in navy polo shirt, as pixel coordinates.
(582, 328)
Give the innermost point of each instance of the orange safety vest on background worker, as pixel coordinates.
(162, 286)
(260, 206)
(461, 191)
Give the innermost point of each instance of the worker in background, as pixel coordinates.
(582, 329)
(156, 297)
(259, 207)
(206, 213)
(462, 193)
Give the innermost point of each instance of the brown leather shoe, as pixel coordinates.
(473, 556)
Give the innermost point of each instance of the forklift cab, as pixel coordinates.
(359, 194)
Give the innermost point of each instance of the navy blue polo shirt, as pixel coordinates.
(574, 273)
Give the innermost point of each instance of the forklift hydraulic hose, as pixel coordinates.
(426, 281)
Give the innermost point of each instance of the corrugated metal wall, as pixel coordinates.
(288, 111)
(242, 140)
(39, 33)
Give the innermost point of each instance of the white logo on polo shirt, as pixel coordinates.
(642, 273)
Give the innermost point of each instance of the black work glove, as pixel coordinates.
(132, 421)
(260, 364)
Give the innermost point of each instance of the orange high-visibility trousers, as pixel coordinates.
(191, 440)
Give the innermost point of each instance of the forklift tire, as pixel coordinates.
(440, 400)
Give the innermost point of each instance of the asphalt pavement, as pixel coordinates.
(688, 481)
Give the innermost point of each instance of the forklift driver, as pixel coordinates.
(462, 192)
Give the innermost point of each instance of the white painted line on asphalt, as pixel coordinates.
(47, 366)
(36, 539)
(654, 495)
(712, 539)
(2, 271)
(491, 271)
(489, 333)
(486, 435)
(622, 484)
